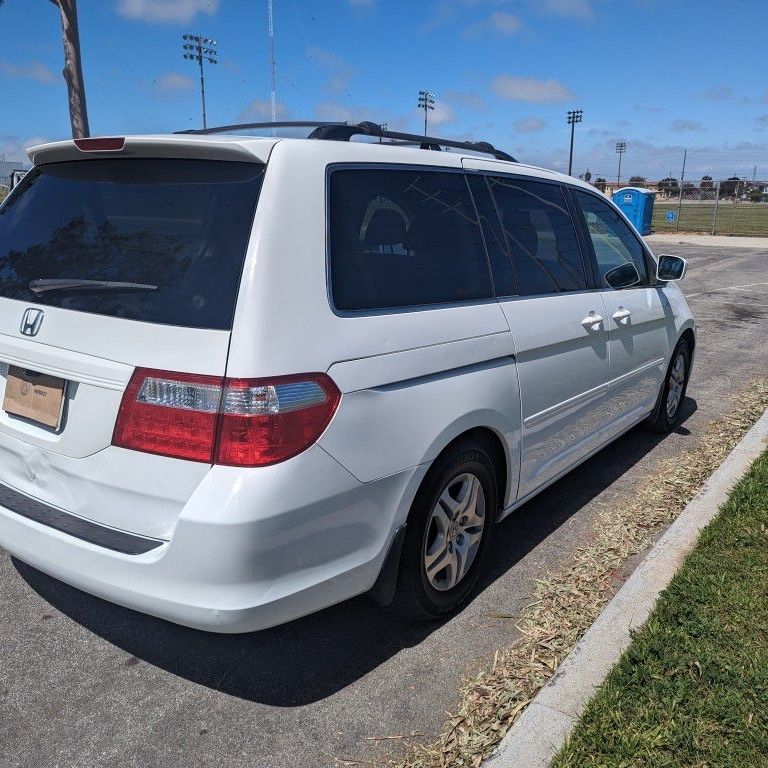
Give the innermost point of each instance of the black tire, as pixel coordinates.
(416, 599)
(661, 420)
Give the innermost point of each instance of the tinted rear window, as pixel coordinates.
(402, 238)
(540, 235)
(181, 225)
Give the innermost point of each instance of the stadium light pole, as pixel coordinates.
(574, 116)
(621, 148)
(200, 49)
(426, 102)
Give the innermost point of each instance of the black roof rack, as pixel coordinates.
(251, 126)
(345, 131)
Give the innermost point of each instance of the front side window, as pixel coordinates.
(540, 236)
(401, 238)
(614, 242)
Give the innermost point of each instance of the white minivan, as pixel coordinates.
(246, 378)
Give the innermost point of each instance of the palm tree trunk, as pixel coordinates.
(73, 69)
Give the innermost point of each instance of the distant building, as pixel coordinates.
(7, 166)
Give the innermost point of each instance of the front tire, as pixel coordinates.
(447, 535)
(666, 417)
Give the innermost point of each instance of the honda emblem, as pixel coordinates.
(31, 321)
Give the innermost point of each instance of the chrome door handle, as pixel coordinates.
(591, 321)
(621, 314)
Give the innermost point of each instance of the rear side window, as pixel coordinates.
(401, 238)
(613, 240)
(540, 236)
(181, 226)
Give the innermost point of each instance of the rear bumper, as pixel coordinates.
(251, 548)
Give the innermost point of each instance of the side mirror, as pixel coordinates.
(624, 276)
(671, 268)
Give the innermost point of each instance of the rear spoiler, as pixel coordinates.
(177, 146)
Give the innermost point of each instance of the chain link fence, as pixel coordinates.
(725, 207)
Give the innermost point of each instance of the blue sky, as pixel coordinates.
(661, 75)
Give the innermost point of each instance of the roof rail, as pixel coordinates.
(345, 131)
(251, 126)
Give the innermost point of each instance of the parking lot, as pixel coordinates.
(84, 682)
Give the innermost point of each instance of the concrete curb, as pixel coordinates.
(542, 729)
(671, 239)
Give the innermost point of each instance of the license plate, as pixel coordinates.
(35, 396)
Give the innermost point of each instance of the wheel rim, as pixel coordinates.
(454, 531)
(675, 385)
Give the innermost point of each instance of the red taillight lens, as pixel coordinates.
(173, 414)
(267, 421)
(105, 144)
(238, 422)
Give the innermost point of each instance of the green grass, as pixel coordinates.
(692, 689)
(740, 218)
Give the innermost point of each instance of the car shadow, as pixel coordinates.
(314, 657)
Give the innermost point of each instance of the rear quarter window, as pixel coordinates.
(180, 225)
(404, 238)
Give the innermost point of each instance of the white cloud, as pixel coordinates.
(332, 111)
(337, 71)
(499, 22)
(34, 70)
(765, 98)
(442, 114)
(718, 93)
(685, 125)
(171, 83)
(166, 11)
(529, 125)
(655, 161)
(466, 99)
(573, 9)
(514, 88)
(14, 149)
(260, 111)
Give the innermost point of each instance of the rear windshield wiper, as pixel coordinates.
(45, 284)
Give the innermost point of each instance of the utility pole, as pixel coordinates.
(574, 116)
(200, 49)
(621, 148)
(271, 31)
(73, 68)
(426, 102)
(680, 198)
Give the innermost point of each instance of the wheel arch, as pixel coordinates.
(383, 590)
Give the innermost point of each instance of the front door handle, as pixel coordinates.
(592, 321)
(621, 315)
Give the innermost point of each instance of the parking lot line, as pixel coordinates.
(725, 288)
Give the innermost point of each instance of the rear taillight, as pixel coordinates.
(238, 422)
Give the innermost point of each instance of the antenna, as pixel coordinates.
(271, 30)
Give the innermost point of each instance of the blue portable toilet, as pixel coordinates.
(637, 206)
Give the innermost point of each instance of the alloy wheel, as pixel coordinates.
(454, 531)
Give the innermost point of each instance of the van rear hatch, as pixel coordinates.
(108, 264)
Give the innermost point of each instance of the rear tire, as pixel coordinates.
(666, 416)
(448, 533)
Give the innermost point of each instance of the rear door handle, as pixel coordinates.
(621, 314)
(592, 321)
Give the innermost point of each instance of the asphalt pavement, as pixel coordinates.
(87, 683)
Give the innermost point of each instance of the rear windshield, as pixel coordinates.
(180, 225)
